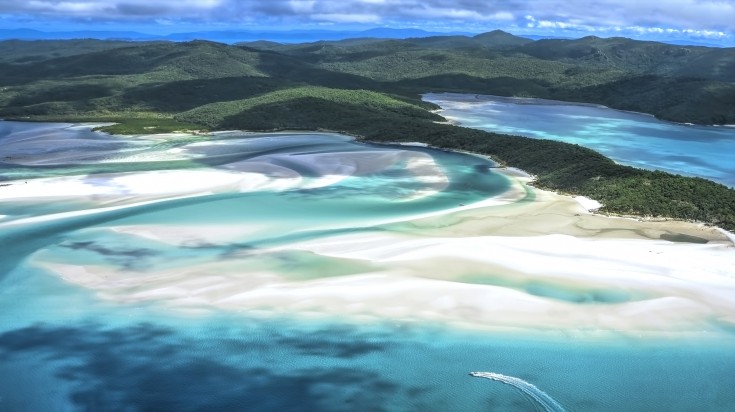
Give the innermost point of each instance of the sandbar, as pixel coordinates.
(540, 263)
(525, 261)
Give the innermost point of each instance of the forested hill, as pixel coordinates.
(370, 88)
(680, 83)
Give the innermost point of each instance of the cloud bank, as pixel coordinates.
(707, 18)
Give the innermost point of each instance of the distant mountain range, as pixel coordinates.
(288, 36)
(229, 36)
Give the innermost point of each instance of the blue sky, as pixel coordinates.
(711, 21)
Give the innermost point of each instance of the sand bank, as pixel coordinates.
(587, 203)
(272, 172)
(539, 265)
(555, 284)
(96, 193)
(527, 260)
(543, 212)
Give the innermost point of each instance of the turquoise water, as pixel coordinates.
(628, 138)
(64, 347)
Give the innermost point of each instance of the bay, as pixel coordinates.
(632, 139)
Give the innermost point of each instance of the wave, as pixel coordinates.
(528, 389)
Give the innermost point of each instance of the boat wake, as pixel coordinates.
(537, 395)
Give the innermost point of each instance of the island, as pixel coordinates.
(206, 226)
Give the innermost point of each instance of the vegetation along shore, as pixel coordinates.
(370, 88)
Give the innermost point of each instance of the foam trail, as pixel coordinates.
(541, 398)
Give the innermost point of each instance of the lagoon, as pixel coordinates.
(633, 139)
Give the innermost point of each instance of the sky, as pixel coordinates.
(706, 20)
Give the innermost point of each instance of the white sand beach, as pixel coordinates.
(257, 174)
(540, 266)
(527, 260)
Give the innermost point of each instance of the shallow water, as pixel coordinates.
(71, 347)
(629, 138)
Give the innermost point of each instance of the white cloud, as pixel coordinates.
(302, 6)
(110, 9)
(710, 18)
(502, 15)
(346, 17)
(679, 14)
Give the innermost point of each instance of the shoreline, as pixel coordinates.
(478, 97)
(395, 298)
(501, 166)
(513, 172)
(457, 121)
(551, 102)
(435, 269)
(498, 265)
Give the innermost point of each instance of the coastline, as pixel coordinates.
(530, 101)
(510, 171)
(528, 261)
(550, 102)
(521, 100)
(362, 139)
(497, 267)
(594, 204)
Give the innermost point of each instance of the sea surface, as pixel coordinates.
(65, 347)
(633, 139)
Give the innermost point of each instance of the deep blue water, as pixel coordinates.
(628, 138)
(151, 361)
(61, 349)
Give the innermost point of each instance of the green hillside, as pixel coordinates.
(369, 88)
(638, 57)
(591, 69)
(306, 108)
(675, 99)
(685, 84)
(499, 39)
(558, 166)
(20, 51)
(158, 62)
